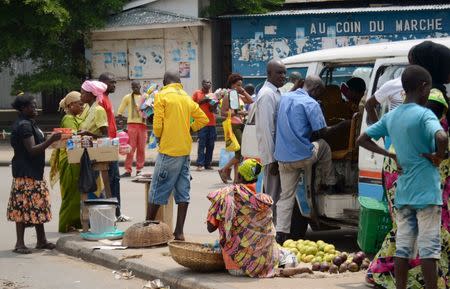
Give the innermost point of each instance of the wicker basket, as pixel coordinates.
(194, 256)
(147, 234)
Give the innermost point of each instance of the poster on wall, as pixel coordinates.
(146, 58)
(280, 36)
(181, 55)
(185, 69)
(110, 56)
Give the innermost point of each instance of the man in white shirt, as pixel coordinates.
(391, 92)
(266, 107)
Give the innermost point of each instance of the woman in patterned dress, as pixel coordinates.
(29, 202)
(436, 59)
(247, 233)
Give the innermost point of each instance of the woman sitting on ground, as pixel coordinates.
(247, 233)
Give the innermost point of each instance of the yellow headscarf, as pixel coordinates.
(250, 169)
(68, 99)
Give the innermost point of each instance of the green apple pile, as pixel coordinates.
(325, 258)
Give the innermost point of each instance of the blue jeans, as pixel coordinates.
(114, 183)
(170, 174)
(419, 228)
(206, 138)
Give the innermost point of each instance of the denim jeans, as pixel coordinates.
(114, 183)
(418, 229)
(206, 138)
(170, 174)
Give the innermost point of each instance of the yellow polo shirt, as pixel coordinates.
(131, 101)
(173, 110)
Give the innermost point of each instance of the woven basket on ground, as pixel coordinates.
(147, 234)
(196, 257)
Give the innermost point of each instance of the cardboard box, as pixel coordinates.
(58, 144)
(102, 154)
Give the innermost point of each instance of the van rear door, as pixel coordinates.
(371, 164)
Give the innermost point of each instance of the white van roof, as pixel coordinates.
(360, 53)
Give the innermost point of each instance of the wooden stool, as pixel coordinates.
(165, 213)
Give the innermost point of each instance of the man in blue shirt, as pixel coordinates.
(420, 144)
(300, 127)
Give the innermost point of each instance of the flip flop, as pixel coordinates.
(223, 176)
(22, 251)
(48, 246)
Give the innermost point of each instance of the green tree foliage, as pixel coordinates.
(53, 34)
(223, 7)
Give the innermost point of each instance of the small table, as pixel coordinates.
(101, 158)
(103, 168)
(165, 212)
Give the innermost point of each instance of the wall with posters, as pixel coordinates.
(145, 55)
(257, 39)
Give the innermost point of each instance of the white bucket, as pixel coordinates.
(102, 218)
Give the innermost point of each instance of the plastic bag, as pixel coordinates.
(225, 157)
(231, 143)
(152, 141)
(87, 182)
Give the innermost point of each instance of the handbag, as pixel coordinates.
(231, 143)
(87, 182)
(249, 145)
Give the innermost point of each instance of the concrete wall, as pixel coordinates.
(177, 46)
(7, 77)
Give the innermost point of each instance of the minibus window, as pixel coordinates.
(383, 75)
(336, 75)
(302, 70)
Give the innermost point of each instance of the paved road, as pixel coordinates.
(53, 270)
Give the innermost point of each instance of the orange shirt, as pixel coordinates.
(105, 102)
(198, 96)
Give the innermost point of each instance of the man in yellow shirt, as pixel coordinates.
(171, 125)
(136, 128)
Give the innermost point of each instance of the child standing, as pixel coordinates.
(420, 144)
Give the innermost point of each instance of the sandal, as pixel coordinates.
(223, 176)
(48, 246)
(23, 250)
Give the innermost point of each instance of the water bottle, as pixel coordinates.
(70, 145)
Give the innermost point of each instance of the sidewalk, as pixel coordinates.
(6, 154)
(156, 263)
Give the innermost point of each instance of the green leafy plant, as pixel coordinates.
(53, 34)
(223, 7)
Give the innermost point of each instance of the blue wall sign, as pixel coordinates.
(255, 40)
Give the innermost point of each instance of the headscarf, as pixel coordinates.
(68, 99)
(249, 170)
(437, 96)
(95, 87)
(435, 58)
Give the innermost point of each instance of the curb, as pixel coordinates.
(121, 163)
(70, 245)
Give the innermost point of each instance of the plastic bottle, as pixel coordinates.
(123, 137)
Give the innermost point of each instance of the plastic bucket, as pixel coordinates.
(102, 218)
